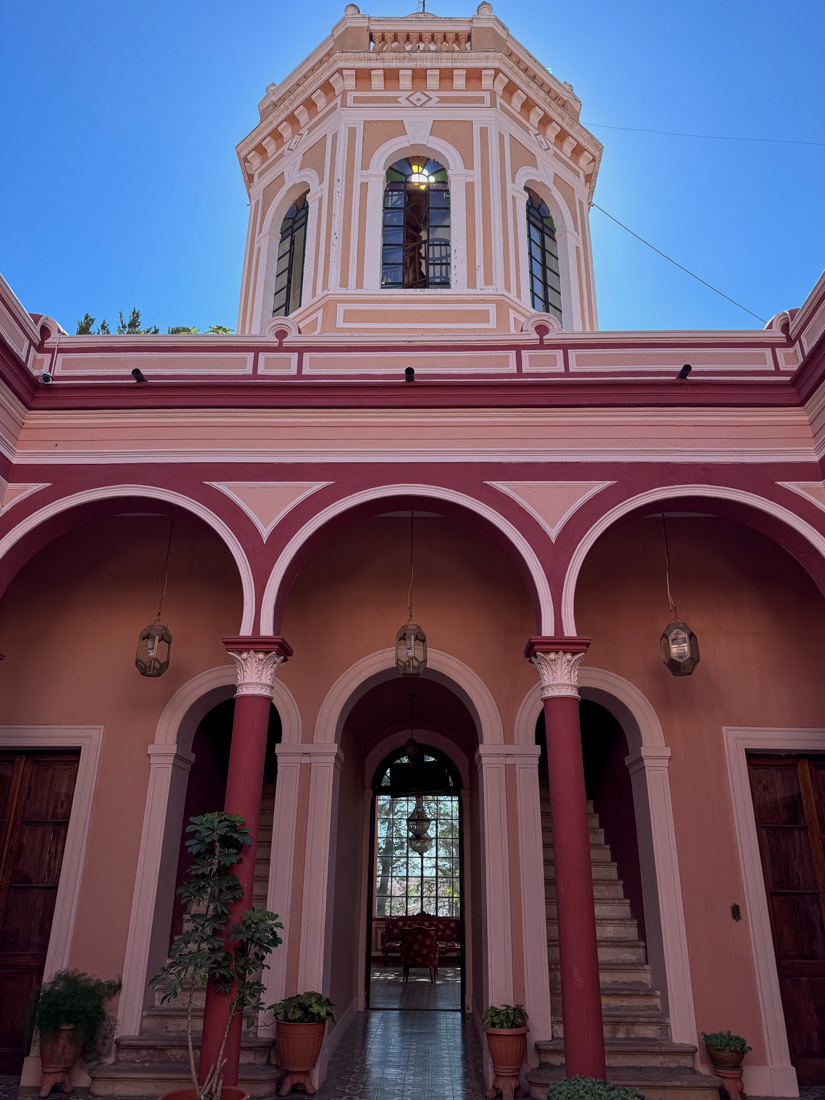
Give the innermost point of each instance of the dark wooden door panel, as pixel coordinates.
(789, 799)
(36, 791)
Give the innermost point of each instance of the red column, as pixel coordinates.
(258, 660)
(557, 660)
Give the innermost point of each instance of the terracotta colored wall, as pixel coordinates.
(755, 612)
(68, 627)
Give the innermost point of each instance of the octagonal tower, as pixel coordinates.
(419, 175)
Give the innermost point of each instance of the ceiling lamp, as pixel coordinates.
(155, 641)
(410, 641)
(680, 648)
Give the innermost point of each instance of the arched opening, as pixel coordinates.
(416, 225)
(289, 268)
(755, 610)
(543, 250)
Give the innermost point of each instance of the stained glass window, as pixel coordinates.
(545, 282)
(289, 272)
(416, 242)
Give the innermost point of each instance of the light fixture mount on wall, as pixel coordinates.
(679, 645)
(155, 641)
(410, 641)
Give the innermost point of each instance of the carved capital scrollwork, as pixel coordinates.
(559, 674)
(257, 660)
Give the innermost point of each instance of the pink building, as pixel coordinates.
(418, 373)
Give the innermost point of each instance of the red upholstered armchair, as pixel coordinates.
(419, 948)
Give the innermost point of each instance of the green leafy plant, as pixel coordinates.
(72, 997)
(200, 952)
(305, 1008)
(508, 1016)
(591, 1088)
(725, 1040)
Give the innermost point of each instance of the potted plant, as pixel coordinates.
(299, 1032)
(591, 1088)
(725, 1050)
(200, 952)
(506, 1029)
(68, 1013)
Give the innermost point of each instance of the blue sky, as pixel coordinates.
(120, 186)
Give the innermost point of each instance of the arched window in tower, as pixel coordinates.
(289, 272)
(545, 282)
(416, 244)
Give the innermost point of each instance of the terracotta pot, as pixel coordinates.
(298, 1045)
(508, 1049)
(725, 1059)
(58, 1053)
(228, 1092)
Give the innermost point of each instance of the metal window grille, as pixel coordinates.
(545, 280)
(416, 244)
(398, 872)
(289, 271)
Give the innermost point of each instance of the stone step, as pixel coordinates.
(633, 994)
(626, 1022)
(651, 1052)
(624, 928)
(172, 1018)
(171, 1046)
(599, 853)
(602, 889)
(611, 972)
(609, 909)
(605, 872)
(653, 1082)
(618, 951)
(181, 1001)
(151, 1079)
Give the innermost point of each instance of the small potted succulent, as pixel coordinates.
(725, 1050)
(591, 1088)
(68, 1013)
(200, 954)
(506, 1029)
(300, 1022)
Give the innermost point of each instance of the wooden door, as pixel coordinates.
(789, 802)
(36, 791)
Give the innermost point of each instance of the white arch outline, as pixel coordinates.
(268, 241)
(435, 492)
(402, 146)
(652, 496)
(647, 761)
(108, 492)
(364, 674)
(170, 760)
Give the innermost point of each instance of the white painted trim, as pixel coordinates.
(153, 492)
(648, 760)
(738, 741)
(496, 923)
(435, 492)
(424, 737)
(89, 739)
(667, 492)
(265, 530)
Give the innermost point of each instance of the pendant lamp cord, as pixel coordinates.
(667, 568)
(165, 570)
(409, 590)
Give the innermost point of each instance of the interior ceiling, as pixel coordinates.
(385, 709)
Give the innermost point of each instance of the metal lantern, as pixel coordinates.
(410, 650)
(680, 648)
(154, 646)
(418, 824)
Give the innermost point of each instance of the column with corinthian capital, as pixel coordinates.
(557, 661)
(257, 660)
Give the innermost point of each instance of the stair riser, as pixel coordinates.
(613, 953)
(603, 890)
(151, 1085)
(605, 930)
(605, 910)
(179, 1053)
(626, 1029)
(601, 871)
(662, 1060)
(648, 1000)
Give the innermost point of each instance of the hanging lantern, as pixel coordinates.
(680, 648)
(154, 645)
(155, 641)
(418, 824)
(410, 650)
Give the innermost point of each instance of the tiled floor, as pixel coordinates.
(391, 1055)
(387, 990)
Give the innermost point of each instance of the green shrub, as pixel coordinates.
(505, 1016)
(591, 1088)
(724, 1040)
(72, 997)
(305, 1008)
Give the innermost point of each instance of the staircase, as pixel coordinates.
(157, 1060)
(638, 1048)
